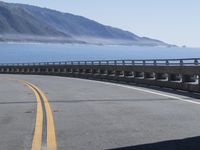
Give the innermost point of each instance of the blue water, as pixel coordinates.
(16, 53)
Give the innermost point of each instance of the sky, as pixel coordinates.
(172, 21)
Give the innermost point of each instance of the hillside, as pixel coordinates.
(19, 22)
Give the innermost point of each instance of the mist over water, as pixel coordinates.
(18, 53)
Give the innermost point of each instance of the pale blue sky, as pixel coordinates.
(173, 21)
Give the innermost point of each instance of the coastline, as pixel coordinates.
(83, 43)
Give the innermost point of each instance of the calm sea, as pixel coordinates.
(12, 52)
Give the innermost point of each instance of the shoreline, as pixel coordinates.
(77, 43)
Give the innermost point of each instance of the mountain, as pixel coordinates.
(19, 22)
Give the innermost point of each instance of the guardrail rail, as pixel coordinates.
(172, 73)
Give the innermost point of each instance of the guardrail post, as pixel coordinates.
(196, 62)
(115, 63)
(133, 63)
(155, 63)
(144, 62)
(181, 62)
(123, 62)
(167, 62)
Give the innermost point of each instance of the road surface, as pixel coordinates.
(63, 113)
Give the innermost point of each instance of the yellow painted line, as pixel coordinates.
(37, 137)
(51, 136)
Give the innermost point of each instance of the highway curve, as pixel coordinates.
(60, 113)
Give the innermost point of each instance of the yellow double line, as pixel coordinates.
(37, 142)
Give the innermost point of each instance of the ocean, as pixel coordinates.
(29, 52)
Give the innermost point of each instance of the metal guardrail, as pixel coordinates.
(147, 62)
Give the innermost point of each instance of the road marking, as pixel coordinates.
(143, 90)
(37, 137)
(158, 93)
(51, 136)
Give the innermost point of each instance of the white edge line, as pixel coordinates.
(141, 90)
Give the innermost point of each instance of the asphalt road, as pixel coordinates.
(93, 115)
